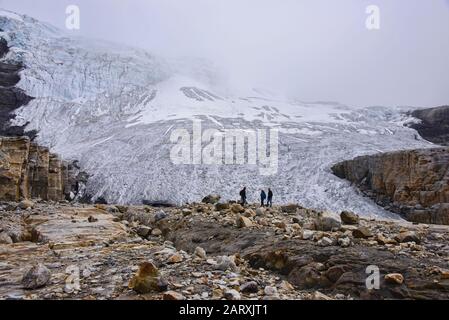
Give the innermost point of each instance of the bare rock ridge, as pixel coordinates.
(28, 170)
(11, 97)
(413, 183)
(434, 124)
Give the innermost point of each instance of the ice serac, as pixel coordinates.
(413, 183)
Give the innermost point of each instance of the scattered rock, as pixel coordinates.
(36, 277)
(237, 208)
(362, 233)
(25, 204)
(147, 279)
(156, 232)
(225, 263)
(176, 258)
(92, 219)
(249, 287)
(286, 286)
(307, 234)
(394, 278)
(5, 238)
(200, 252)
(143, 231)
(172, 295)
(222, 206)
(408, 236)
(243, 222)
(260, 212)
(348, 217)
(122, 209)
(320, 296)
(325, 242)
(186, 212)
(232, 294)
(270, 291)
(290, 208)
(344, 242)
(327, 224)
(160, 215)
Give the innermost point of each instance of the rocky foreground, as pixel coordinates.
(51, 250)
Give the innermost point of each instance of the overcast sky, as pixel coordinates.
(311, 49)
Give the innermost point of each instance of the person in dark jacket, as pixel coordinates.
(270, 198)
(243, 196)
(263, 196)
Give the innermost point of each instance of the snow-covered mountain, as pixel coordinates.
(113, 108)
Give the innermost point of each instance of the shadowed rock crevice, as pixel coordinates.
(11, 97)
(434, 124)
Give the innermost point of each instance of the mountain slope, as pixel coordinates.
(114, 109)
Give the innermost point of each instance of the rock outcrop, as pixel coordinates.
(434, 124)
(28, 170)
(413, 183)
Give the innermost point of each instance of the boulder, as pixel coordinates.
(237, 208)
(325, 242)
(307, 234)
(36, 277)
(249, 287)
(325, 223)
(200, 252)
(172, 295)
(394, 278)
(5, 238)
(211, 199)
(244, 222)
(220, 206)
(147, 279)
(348, 217)
(231, 294)
(408, 236)
(160, 215)
(143, 231)
(362, 233)
(290, 208)
(176, 258)
(26, 204)
(260, 212)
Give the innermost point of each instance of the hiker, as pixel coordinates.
(263, 196)
(243, 196)
(270, 198)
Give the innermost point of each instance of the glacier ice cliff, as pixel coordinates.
(113, 108)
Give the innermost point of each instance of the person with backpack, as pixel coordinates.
(243, 196)
(263, 196)
(270, 198)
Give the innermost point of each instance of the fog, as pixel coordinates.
(310, 49)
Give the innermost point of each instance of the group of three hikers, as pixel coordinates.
(263, 197)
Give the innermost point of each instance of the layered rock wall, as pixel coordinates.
(31, 171)
(413, 183)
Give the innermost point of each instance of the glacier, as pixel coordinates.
(113, 108)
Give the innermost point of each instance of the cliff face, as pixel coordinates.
(434, 124)
(413, 183)
(31, 171)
